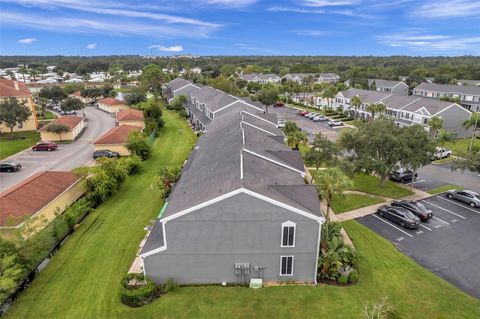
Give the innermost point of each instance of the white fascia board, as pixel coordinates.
(224, 107)
(275, 162)
(258, 128)
(260, 118)
(454, 105)
(409, 103)
(190, 84)
(159, 249)
(383, 98)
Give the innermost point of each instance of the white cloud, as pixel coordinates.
(448, 9)
(327, 3)
(27, 40)
(231, 3)
(292, 9)
(173, 48)
(313, 33)
(91, 46)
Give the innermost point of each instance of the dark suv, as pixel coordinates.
(105, 153)
(402, 175)
(45, 146)
(9, 167)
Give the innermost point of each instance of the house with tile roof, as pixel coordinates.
(406, 110)
(388, 86)
(18, 90)
(78, 95)
(111, 105)
(131, 117)
(468, 95)
(240, 210)
(75, 124)
(42, 196)
(116, 139)
(260, 78)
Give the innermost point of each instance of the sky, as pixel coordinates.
(240, 27)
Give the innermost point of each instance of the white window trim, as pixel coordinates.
(288, 223)
(293, 264)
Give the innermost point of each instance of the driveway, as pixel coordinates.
(448, 244)
(308, 126)
(66, 157)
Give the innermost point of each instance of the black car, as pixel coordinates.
(105, 153)
(399, 215)
(418, 209)
(402, 175)
(9, 167)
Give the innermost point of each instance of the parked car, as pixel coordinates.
(418, 209)
(45, 146)
(306, 114)
(402, 175)
(469, 197)
(279, 104)
(9, 167)
(281, 123)
(441, 153)
(335, 123)
(320, 118)
(68, 113)
(302, 112)
(399, 215)
(105, 153)
(312, 115)
(57, 108)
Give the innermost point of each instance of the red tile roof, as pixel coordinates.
(9, 88)
(28, 197)
(130, 115)
(117, 135)
(110, 101)
(70, 121)
(77, 93)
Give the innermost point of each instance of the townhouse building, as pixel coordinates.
(406, 110)
(316, 77)
(260, 78)
(388, 86)
(468, 95)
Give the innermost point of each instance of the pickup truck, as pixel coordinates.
(441, 153)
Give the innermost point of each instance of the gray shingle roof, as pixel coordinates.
(384, 83)
(447, 88)
(155, 239)
(367, 96)
(259, 76)
(215, 99)
(177, 83)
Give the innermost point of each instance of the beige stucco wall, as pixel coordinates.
(120, 148)
(69, 136)
(30, 124)
(112, 108)
(136, 123)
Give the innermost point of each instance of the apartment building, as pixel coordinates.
(260, 78)
(18, 90)
(387, 86)
(316, 77)
(468, 95)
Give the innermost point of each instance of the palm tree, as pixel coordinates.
(23, 70)
(473, 121)
(33, 74)
(444, 136)
(435, 123)
(11, 75)
(296, 138)
(356, 101)
(381, 108)
(331, 182)
(376, 108)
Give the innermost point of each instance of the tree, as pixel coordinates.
(13, 113)
(55, 93)
(178, 103)
(375, 147)
(11, 272)
(376, 108)
(11, 75)
(444, 137)
(331, 182)
(23, 70)
(58, 129)
(72, 104)
(356, 102)
(329, 93)
(470, 161)
(138, 145)
(296, 138)
(268, 95)
(417, 148)
(224, 84)
(323, 151)
(166, 178)
(152, 78)
(435, 123)
(473, 121)
(91, 92)
(290, 127)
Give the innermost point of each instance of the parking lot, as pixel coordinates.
(308, 126)
(448, 244)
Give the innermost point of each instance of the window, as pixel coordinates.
(286, 265)
(288, 234)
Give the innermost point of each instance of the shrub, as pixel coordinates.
(138, 145)
(169, 285)
(342, 280)
(137, 290)
(353, 276)
(132, 164)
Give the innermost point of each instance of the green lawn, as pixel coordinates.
(10, 146)
(443, 189)
(352, 201)
(461, 145)
(371, 184)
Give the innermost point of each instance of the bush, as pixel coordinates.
(169, 285)
(132, 164)
(353, 276)
(141, 292)
(342, 280)
(138, 145)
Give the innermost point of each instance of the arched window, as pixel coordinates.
(288, 234)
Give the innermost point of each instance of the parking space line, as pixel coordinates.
(440, 220)
(425, 227)
(392, 225)
(422, 180)
(448, 211)
(459, 205)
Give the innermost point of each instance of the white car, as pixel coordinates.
(281, 123)
(335, 123)
(441, 153)
(320, 118)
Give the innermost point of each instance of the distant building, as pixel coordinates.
(468, 95)
(260, 78)
(388, 86)
(316, 77)
(111, 105)
(18, 90)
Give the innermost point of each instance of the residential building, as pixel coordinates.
(75, 124)
(406, 110)
(42, 195)
(468, 95)
(131, 117)
(116, 139)
(316, 77)
(14, 89)
(240, 210)
(78, 95)
(111, 105)
(260, 78)
(387, 86)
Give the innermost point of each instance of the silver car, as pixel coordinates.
(469, 197)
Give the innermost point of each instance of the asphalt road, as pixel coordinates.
(435, 175)
(448, 244)
(66, 157)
